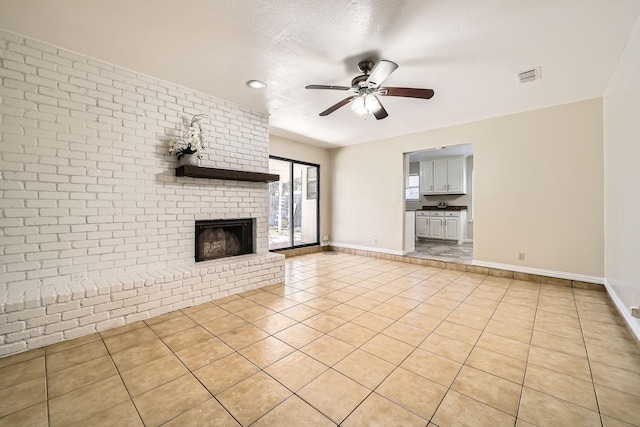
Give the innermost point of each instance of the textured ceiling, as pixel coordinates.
(468, 51)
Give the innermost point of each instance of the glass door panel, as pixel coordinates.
(280, 223)
(305, 204)
(293, 204)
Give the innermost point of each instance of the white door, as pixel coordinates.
(455, 175)
(440, 178)
(451, 228)
(436, 228)
(422, 226)
(426, 176)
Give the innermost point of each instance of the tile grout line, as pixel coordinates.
(526, 363)
(356, 348)
(397, 293)
(564, 373)
(120, 374)
(463, 364)
(586, 350)
(416, 347)
(46, 387)
(196, 377)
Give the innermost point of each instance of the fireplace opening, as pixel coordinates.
(223, 238)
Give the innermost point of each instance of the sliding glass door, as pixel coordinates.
(293, 204)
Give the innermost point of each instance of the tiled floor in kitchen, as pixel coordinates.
(443, 250)
(348, 340)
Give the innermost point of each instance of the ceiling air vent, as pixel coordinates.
(529, 75)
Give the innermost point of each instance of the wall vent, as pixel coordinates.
(528, 76)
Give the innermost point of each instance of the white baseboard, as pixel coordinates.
(541, 272)
(368, 248)
(632, 323)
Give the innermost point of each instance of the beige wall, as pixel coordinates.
(282, 147)
(538, 188)
(622, 177)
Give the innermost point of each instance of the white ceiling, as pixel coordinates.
(468, 51)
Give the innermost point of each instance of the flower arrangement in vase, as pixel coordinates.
(190, 146)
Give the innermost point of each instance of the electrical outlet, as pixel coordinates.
(635, 311)
(375, 241)
(520, 256)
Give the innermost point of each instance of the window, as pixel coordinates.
(312, 182)
(293, 204)
(412, 192)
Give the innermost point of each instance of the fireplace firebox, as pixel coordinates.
(223, 238)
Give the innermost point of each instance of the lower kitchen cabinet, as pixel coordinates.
(422, 226)
(436, 227)
(451, 227)
(442, 225)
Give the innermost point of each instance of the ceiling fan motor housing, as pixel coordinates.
(366, 66)
(359, 82)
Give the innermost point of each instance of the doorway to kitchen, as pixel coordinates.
(294, 204)
(439, 204)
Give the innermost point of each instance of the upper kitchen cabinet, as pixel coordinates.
(426, 177)
(443, 176)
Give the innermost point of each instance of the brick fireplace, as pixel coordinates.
(222, 238)
(97, 230)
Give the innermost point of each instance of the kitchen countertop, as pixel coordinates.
(448, 208)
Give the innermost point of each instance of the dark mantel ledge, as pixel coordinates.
(228, 174)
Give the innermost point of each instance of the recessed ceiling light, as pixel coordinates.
(256, 84)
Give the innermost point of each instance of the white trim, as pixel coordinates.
(625, 312)
(468, 240)
(367, 248)
(540, 272)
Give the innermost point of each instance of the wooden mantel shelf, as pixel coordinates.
(213, 173)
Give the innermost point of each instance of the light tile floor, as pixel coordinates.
(441, 250)
(347, 340)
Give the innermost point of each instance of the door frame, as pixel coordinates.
(291, 223)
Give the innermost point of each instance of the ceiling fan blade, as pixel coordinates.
(380, 72)
(381, 113)
(336, 106)
(327, 87)
(407, 92)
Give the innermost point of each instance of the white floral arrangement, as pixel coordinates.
(192, 142)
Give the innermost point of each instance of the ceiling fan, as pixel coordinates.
(366, 87)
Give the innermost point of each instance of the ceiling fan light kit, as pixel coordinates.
(366, 104)
(368, 85)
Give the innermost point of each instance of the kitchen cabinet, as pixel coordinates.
(436, 228)
(426, 176)
(456, 176)
(451, 228)
(422, 225)
(443, 176)
(440, 176)
(442, 225)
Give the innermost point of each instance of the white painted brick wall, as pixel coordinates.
(87, 183)
(88, 191)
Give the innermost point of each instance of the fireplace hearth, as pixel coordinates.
(223, 238)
